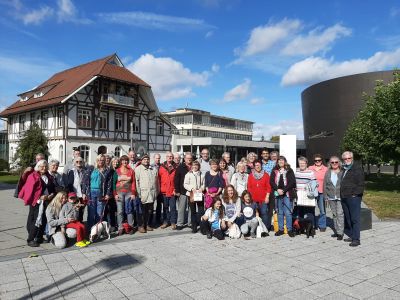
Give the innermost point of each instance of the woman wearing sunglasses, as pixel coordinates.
(331, 187)
(319, 171)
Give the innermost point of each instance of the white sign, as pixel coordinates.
(287, 148)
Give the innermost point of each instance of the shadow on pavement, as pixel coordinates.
(108, 266)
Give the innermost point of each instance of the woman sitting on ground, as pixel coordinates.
(54, 222)
(250, 214)
(212, 222)
(232, 205)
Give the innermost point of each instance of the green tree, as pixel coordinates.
(33, 141)
(374, 135)
(274, 138)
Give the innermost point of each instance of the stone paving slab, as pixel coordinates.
(182, 265)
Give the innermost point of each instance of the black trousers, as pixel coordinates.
(110, 211)
(35, 233)
(160, 200)
(146, 214)
(195, 215)
(205, 229)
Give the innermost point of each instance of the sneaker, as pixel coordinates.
(33, 244)
(322, 229)
(279, 232)
(86, 242)
(354, 243)
(339, 237)
(80, 244)
(291, 234)
(209, 235)
(348, 240)
(142, 230)
(149, 228)
(335, 235)
(173, 226)
(179, 227)
(163, 226)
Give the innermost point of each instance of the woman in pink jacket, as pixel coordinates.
(37, 192)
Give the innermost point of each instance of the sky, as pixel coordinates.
(242, 59)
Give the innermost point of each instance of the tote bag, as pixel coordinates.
(303, 199)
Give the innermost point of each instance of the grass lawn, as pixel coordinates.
(7, 178)
(382, 195)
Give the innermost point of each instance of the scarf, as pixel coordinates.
(77, 182)
(258, 175)
(278, 175)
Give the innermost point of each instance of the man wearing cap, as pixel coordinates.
(147, 188)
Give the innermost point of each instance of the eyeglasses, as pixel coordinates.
(347, 158)
(317, 160)
(334, 162)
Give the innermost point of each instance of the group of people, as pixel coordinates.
(207, 194)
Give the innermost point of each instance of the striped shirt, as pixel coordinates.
(303, 178)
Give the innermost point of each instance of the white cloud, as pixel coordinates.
(209, 34)
(284, 126)
(263, 38)
(36, 16)
(315, 69)
(169, 78)
(238, 92)
(154, 21)
(67, 12)
(315, 41)
(215, 68)
(257, 100)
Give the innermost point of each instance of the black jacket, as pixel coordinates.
(290, 184)
(352, 183)
(179, 178)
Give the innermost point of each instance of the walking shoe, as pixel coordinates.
(279, 232)
(33, 244)
(348, 240)
(209, 235)
(335, 235)
(354, 243)
(339, 237)
(142, 230)
(173, 226)
(163, 226)
(179, 227)
(322, 229)
(86, 242)
(80, 244)
(149, 228)
(194, 229)
(121, 232)
(291, 234)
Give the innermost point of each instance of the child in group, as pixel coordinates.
(250, 214)
(70, 212)
(212, 222)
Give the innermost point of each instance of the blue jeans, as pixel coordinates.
(170, 215)
(263, 210)
(137, 210)
(124, 206)
(284, 208)
(352, 210)
(95, 208)
(322, 211)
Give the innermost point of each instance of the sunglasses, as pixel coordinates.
(334, 162)
(317, 160)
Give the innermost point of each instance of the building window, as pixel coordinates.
(118, 122)
(32, 118)
(10, 125)
(135, 125)
(117, 152)
(61, 154)
(60, 118)
(160, 128)
(103, 120)
(21, 123)
(45, 118)
(84, 118)
(84, 150)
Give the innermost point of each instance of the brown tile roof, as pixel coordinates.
(64, 83)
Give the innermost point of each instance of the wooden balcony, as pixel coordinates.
(119, 100)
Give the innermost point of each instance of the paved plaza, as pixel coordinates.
(182, 265)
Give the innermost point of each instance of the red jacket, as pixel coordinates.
(119, 187)
(33, 188)
(166, 177)
(258, 188)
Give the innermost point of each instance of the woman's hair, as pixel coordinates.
(251, 154)
(112, 161)
(196, 163)
(337, 158)
(286, 166)
(221, 208)
(54, 162)
(96, 166)
(246, 192)
(317, 155)
(226, 165)
(239, 164)
(225, 196)
(302, 158)
(257, 161)
(56, 204)
(40, 163)
(213, 162)
(124, 157)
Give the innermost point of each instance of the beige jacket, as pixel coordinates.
(147, 185)
(193, 181)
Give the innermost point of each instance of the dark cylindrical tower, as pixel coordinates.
(330, 106)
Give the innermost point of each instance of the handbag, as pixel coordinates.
(196, 196)
(303, 199)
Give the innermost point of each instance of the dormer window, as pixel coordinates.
(23, 98)
(38, 94)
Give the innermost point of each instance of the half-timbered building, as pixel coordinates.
(97, 107)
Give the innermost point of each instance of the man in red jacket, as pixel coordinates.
(166, 175)
(259, 188)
